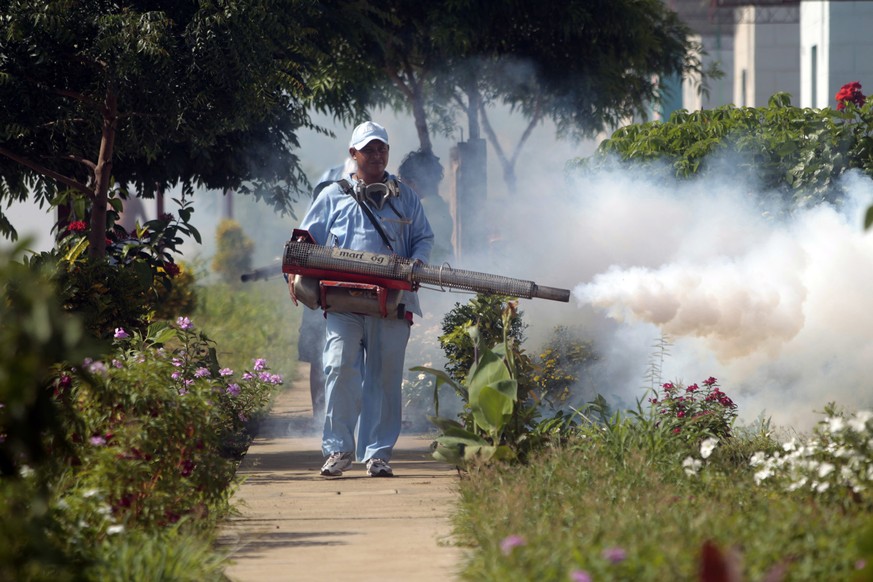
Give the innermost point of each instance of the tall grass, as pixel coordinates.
(251, 320)
(617, 504)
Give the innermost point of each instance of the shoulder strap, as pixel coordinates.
(347, 188)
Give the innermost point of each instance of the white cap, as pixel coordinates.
(367, 132)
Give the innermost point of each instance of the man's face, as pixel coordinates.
(372, 160)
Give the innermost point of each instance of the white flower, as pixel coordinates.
(762, 475)
(790, 445)
(835, 424)
(114, 529)
(691, 465)
(858, 422)
(25, 471)
(825, 469)
(758, 459)
(707, 446)
(90, 493)
(821, 487)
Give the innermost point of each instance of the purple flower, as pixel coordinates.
(233, 389)
(183, 391)
(248, 376)
(260, 364)
(225, 372)
(176, 375)
(184, 323)
(615, 555)
(97, 441)
(275, 378)
(120, 333)
(201, 373)
(580, 576)
(117, 364)
(97, 367)
(509, 543)
(177, 362)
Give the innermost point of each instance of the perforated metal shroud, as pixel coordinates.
(312, 256)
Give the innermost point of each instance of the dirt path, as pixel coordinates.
(298, 525)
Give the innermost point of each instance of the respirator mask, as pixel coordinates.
(375, 194)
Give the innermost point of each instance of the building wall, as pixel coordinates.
(814, 36)
(719, 50)
(836, 48)
(766, 55)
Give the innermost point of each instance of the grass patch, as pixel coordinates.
(636, 515)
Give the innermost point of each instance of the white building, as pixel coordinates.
(807, 48)
(836, 47)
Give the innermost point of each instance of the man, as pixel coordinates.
(363, 354)
(422, 171)
(310, 342)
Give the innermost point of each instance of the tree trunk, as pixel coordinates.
(473, 103)
(102, 176)
(420, 118)
(507, 164)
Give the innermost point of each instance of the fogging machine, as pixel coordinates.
(337, 279)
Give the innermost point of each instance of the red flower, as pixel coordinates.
(710, 381)
(77, 226)
(850, 93)
(172, 269)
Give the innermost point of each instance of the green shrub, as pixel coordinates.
(560, 365)
(798, 153)
(233, 254)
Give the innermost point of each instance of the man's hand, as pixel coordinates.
(291, 290)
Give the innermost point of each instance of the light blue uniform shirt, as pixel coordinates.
(336, 219)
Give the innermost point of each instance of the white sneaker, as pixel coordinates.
(335, 464)
(379, 468)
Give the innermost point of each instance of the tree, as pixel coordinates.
(587, 65)
(99, 98)
(797, 153)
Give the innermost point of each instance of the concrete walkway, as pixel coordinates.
(297, 525)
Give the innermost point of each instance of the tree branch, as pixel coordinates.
(40, 169)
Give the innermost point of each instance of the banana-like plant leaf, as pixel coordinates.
(493, 407)
(441, 378)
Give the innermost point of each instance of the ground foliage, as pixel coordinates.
(112, 446)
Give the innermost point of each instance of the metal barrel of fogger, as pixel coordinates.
(313, 256)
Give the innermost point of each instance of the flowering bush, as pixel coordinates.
(696, 410)
(850, 93)
(157, 429)
(133, 279)
(835, 462)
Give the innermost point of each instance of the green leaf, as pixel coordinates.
(492, 409)
(868, 218)
(441, 378)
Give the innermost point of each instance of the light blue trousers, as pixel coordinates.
(363, 371)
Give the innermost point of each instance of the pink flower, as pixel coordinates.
(580, 576)
(120, 333)
(615, 555)
(509, 543)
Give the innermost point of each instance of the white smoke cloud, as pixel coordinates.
(776, 310)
